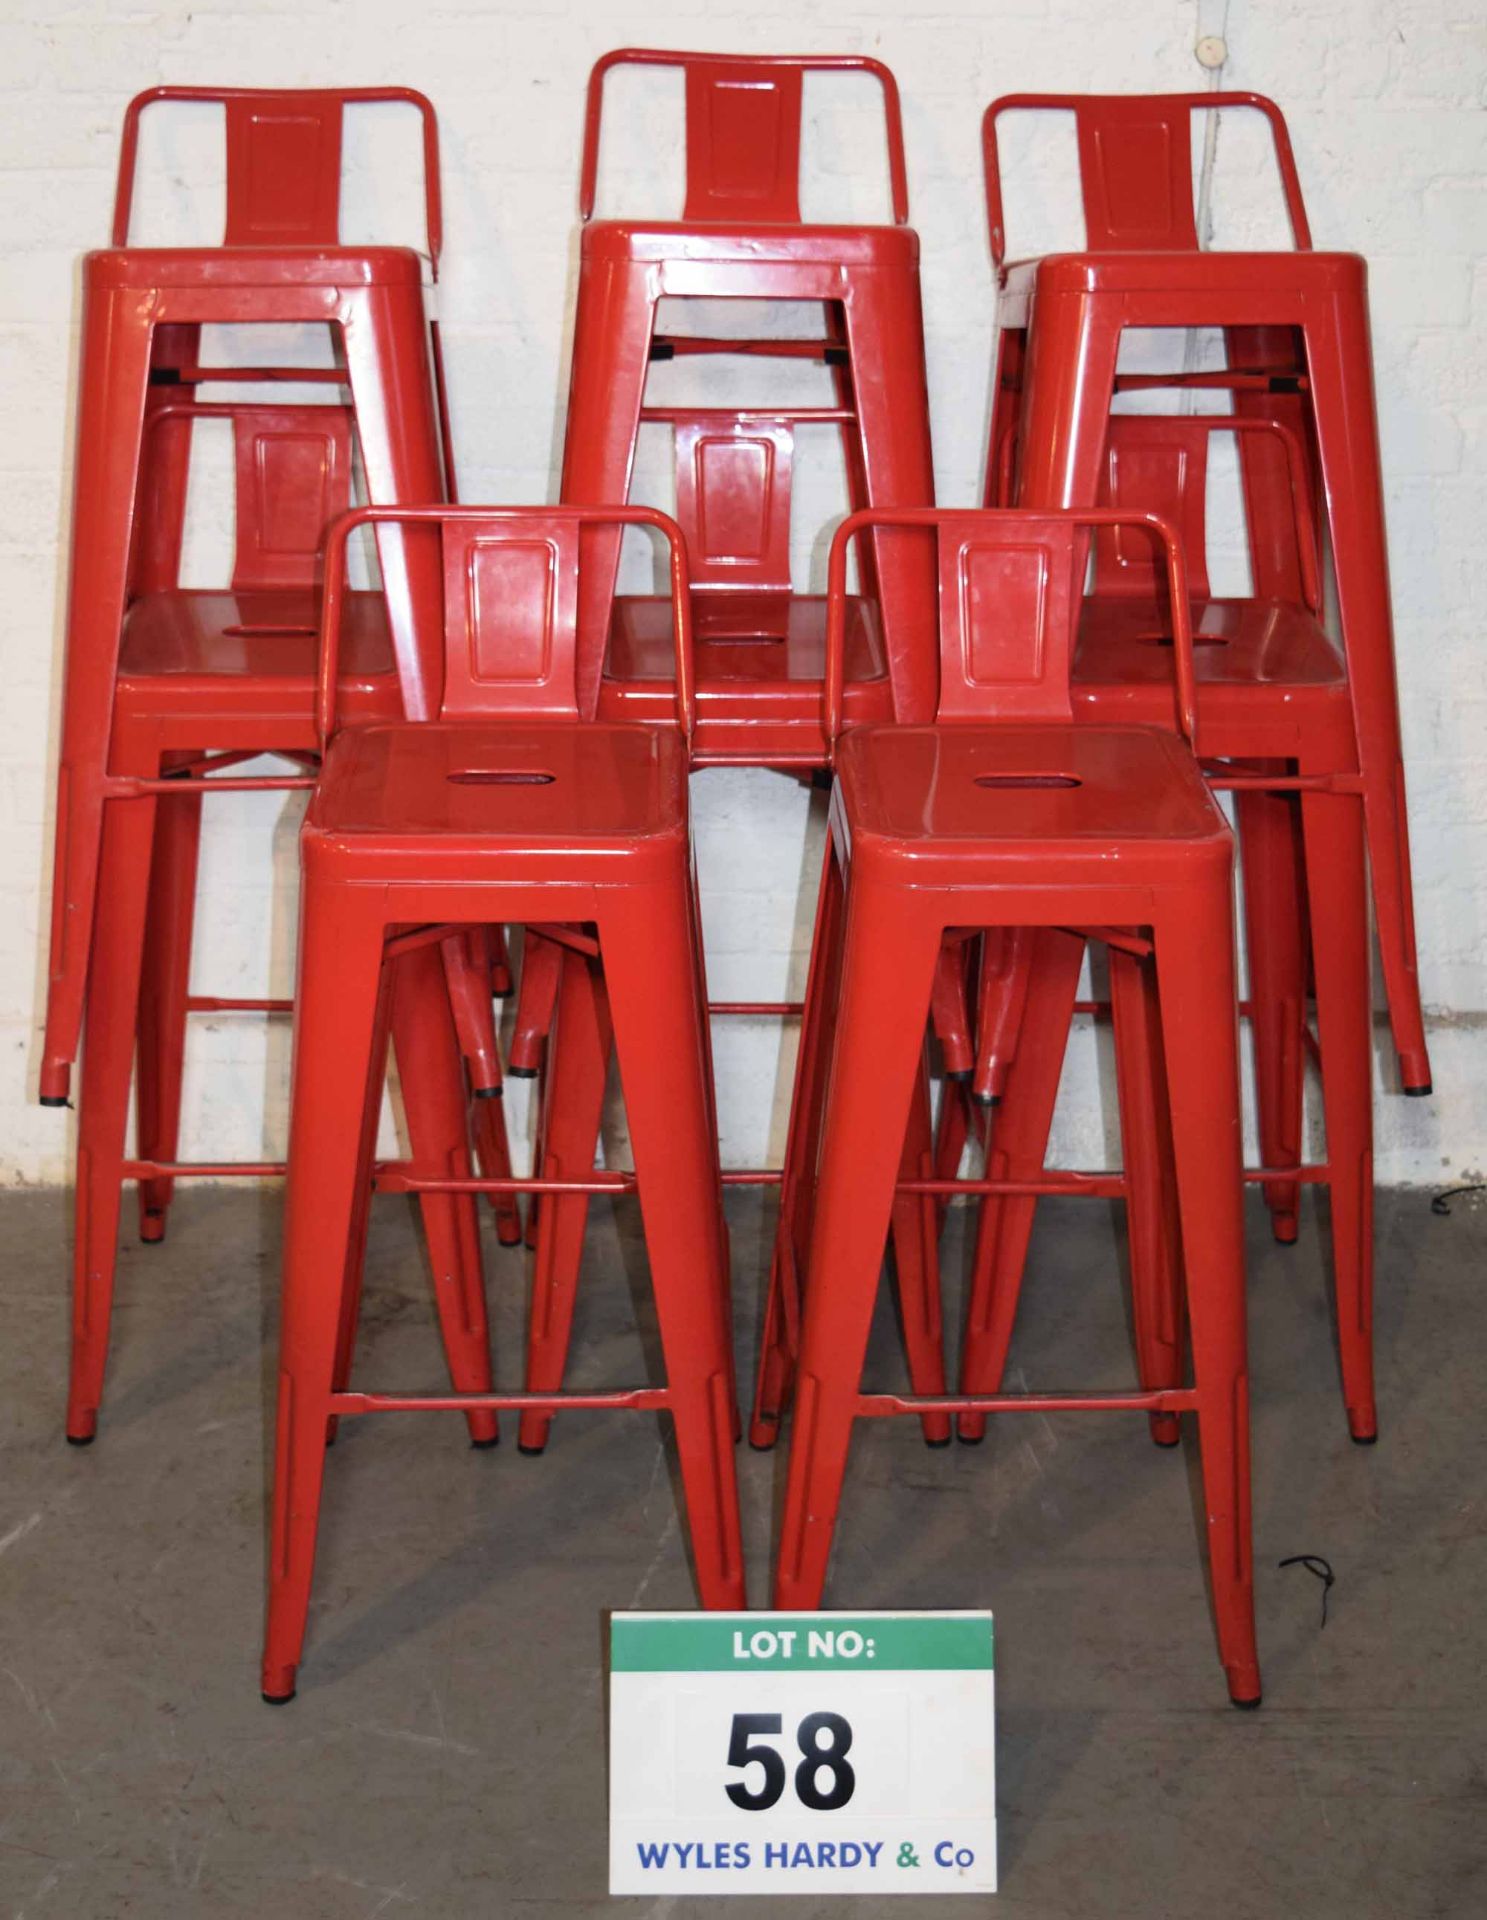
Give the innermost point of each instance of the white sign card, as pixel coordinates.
(809, 1753)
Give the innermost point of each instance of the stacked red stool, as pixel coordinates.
(1305, 733)
(504, 807)
(1297, 328)
(168, 689)
(1274, 695)
(760, 644)
(1007, 813)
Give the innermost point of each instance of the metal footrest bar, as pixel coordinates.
(644, 1399)
(1162, 1400)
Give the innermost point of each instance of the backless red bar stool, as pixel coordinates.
(1022, 820)
(741, 236)
(1143, 268)
(207, 680)
(1278, 732)
(505, 808)
(143, 309)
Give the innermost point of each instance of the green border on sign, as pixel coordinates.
(801, 1642)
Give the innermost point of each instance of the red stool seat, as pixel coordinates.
(1104, 792)
(1241, 646)
(266, 633)
(119, 269)
(599, 786)
(760, 662)
(680, 243)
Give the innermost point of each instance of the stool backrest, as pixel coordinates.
(743, 131)
(1158, 463)
(1136, 166)
(292, 467)
(284, 161)
(733, 477)
(1011, 584)
(511, 577)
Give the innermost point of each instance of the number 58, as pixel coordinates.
(745, 1750)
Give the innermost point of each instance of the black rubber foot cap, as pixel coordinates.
(1168, 1445)
(484, 1446)
(1412, 1093)
(84, 1440)
(970, 1439)
(1364, 1439)
(277, 1699)
(938, 1444)
(762, 1446)
(488, 1093)
(1246, 1706)
(960, 1077)
(60, 1099)
(531, 1452)
(522, 1073)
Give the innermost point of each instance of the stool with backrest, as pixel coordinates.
(192, 682)
(1007, 813)
(1278, 733)
(1297, 324)
(143, 310)
(505, 807)
(760, 644)
(208, 679)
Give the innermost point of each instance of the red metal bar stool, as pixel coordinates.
(1303, 316)
(143, 309)
(1022, 820)
(741, 236)
(206, 681)
(1278, 732)
(202, 680)
(503, 809)
(760, 645)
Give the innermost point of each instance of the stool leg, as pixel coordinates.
(356, 1247)
(536, 1001)
(1152, 1230)
(387, 364)
(467, 974)
(612, 327)
(1001, 999)
(339, 972)
(1274, 923)
(888, 966)
(573, 1096)
(1019, 1144)
(646, 936)
(885, 329)
(781, 1336)
(115, 363)
(1340, 366)
(103, 1105)
(916, 1262)
(164, 987)
(432, 1081)
(1196, 986)
(1336, 872)
(1067, 389)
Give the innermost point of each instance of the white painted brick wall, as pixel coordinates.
(1385, 99)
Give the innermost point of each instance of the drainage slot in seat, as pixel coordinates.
(481, 777)
(1005, 781)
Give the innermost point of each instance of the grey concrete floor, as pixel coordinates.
(445, 1756)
